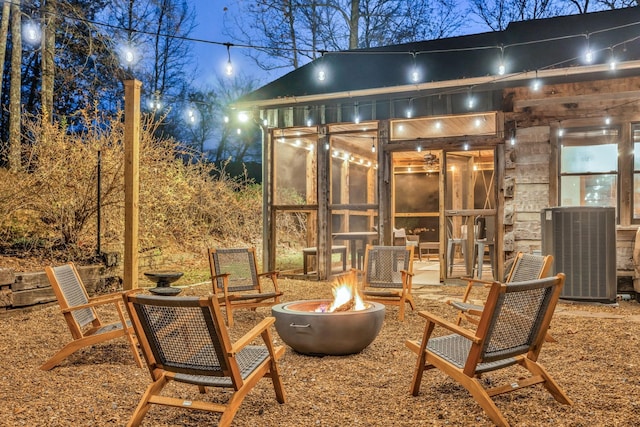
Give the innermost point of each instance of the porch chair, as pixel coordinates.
(524, 267)
(184, 339)
(388, 272)
(79, 311)
(235, 279)
(511, 331)
(484, 238)
(454, 240)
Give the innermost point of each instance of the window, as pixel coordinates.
(589, 168)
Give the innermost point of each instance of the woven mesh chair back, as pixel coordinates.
(240, 264)
(384, 266)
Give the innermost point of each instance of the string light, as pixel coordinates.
(373, 144)
(229, 67)
(129, 54)
(512, 140)
(409, 112)
(31, 32)
(501, 66)
(612, 60)
(470, 100)
(588, 56)
(356, 113)
(322, 74)
(415, 74)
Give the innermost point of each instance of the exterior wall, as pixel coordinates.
(526, 188)
(531, 164)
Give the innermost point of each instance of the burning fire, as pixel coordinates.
(345, 296)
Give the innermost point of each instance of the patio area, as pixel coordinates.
(595, 359)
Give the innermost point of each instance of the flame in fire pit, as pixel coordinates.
(345, 296)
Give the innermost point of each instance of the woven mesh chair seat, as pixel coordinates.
(248, 359)
(253, 296)
(465, 306)
(455, 350)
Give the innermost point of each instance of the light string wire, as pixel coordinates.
(375, 51)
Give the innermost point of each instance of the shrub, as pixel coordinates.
(53, 201)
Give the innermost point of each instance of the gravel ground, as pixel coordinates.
(596, 359)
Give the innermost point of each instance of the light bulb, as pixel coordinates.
(501, 69)
(536, 85)
(229, 68)
(470, 102)
(588, 56)
(322, 75)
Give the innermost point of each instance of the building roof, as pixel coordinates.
(552, 45)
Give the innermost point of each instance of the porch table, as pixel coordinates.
(353, 237)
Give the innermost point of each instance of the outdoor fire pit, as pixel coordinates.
(321, 333)
(346, 325)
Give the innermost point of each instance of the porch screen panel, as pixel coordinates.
(636, 172)
(295, 167)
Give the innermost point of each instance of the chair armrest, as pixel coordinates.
(96, 302)
(225, 283)
(472, 280)
(99, 300)
(269, 273)
(408, 273)
(223, 275)
(273, 275)
(474, 312)
(470, 335)
(252, 334)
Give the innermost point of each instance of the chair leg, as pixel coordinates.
(62, 354)
(486, 403)
(549, 383)
(133, 342)
(144, 405)
(229, 314)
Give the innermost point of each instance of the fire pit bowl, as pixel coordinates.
(321, 333)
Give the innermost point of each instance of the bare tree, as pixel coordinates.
(15, 88)
(585, 6)
(4, 32)
(48, 24)
(286, 31)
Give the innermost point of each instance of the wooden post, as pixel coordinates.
(131, 181)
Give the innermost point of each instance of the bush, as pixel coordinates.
(53, 203)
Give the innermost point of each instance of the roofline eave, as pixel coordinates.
(466, 82)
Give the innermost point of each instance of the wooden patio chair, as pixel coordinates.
(235, 279)
(511, 331)
(184, 339)
(388, 272)
(524, 267)
(79, 311)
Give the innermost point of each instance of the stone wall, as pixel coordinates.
(20, 290)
